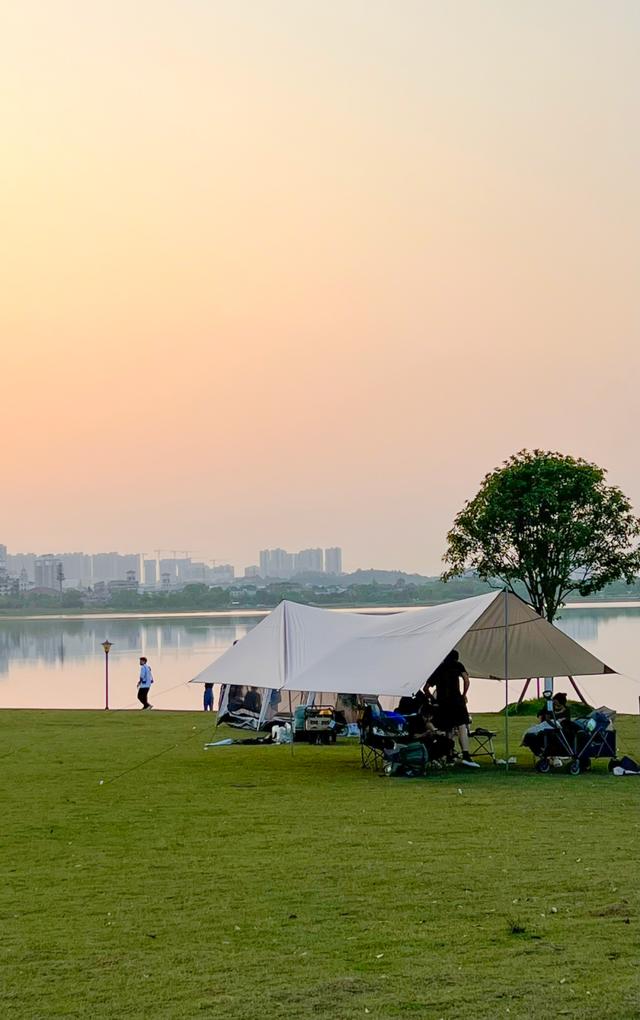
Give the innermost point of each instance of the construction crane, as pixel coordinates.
(186, 553)
(174, 553)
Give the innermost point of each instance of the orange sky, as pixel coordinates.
(298, 273)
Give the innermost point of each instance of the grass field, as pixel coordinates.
(243, 882)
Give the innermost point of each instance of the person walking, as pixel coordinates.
(208, 697)
(144, 683)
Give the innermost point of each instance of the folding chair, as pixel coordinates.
(377, 735)
(482, 746)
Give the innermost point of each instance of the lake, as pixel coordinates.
(59, 662)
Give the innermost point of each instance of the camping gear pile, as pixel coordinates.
(388, 743)
(577, 742)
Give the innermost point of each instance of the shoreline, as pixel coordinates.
(253, 612)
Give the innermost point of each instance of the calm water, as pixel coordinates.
(58, 663)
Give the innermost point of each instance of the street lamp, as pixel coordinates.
(107, 648)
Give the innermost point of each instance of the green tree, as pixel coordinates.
(71, 599)
(547, 522)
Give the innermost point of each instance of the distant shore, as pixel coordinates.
(253, 611)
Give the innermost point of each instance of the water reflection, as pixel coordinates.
(60, 663)
(583, 626)
(613, 634)
(52, 641)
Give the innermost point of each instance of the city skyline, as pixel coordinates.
(80, 569)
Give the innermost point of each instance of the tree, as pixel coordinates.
(549, 522)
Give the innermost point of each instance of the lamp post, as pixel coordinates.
(107, 648)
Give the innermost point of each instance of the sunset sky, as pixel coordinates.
(299, 273)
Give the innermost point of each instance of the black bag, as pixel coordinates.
(409, 760)
(630, 766)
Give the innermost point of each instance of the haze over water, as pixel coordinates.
(60, 663)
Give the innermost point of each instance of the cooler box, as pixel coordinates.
(314, 724)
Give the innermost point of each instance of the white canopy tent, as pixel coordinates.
(303, 649)
(498, 636)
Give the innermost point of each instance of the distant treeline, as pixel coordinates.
(400, 592)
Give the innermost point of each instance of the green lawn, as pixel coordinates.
(243, 882)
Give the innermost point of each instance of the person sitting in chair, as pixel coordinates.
(438, 743)
(235, 700)
(419, 713)
(554, 714)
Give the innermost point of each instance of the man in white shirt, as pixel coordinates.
(144, 683)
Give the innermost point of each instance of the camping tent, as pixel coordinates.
(305, 649)
(302, 649)
(285, 643)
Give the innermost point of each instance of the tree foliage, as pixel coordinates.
(549, 522)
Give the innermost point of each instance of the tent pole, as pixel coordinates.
(578, 691)
(223, 688)
(285, 649)
(291, 714)
(524, 691)
(506, 679)
(286, 668)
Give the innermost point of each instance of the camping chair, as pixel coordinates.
(378, 735)
(481, 745)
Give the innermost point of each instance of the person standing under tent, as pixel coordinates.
(144, 683)
(208, 698)
(452, 714)
(253, 701)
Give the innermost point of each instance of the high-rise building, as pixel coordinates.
(309, 561)
(150, 576)
(333, 560)
(108, 567)
(252, 571)
(22, 561)
(47, 571)
(276, 563)
(3, 557)
(222, 573)
(77, 569)
(8, 584)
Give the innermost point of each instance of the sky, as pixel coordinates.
(293, 273)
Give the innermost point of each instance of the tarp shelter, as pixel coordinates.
(302, 648)
(498, 636)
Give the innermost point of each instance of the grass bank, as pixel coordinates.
(242, 882)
